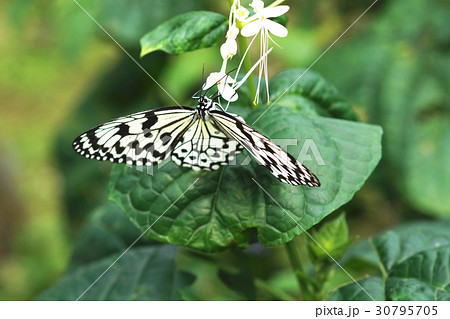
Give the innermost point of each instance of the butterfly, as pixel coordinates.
(203, 138)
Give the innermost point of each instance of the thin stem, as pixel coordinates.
(277, 293)
(296, 264)
(274, 4)
(247, 66)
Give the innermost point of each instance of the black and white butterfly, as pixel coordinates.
(201, 138)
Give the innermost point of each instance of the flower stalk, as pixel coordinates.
(294, 252)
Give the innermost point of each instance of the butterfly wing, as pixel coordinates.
(204, 146)
(280, 163)
(144, 138)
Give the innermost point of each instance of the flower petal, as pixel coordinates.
(275, 12)
(251, 29)
(241, 13)
(212, 79)
(275, 28)
(228, 49)
(225, 51)
(257, 5)
(233, 32)
(228, 93)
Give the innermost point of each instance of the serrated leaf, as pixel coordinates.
(431, 267)
(411, 289)
(186, 32)
(353, 292)
(416, 264)
(393, 247)
(224, 207)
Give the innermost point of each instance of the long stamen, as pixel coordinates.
(266, 68)
(245, 54)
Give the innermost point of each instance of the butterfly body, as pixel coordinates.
(203, 138)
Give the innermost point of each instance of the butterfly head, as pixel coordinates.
(205, 104)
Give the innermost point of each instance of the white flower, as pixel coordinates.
(233, 32)
(241, 13)
(228, 49)
(260, 22)
(223, 81)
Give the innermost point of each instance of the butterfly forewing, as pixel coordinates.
(144, 138)
(204, 146)
(281, 164)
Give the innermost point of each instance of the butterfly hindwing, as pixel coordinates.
(144, 138)
(280, 163)
(204, 146)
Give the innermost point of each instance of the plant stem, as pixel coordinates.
(296, 264)
(277, 293)
(274, 4)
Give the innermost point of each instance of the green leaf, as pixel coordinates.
(223, 208)
(333, 237)
(414, 261)
(411, 289)
(394, 247)
(187, 32)
(142, 273)
(309, 93)
(108, 231)
(353, 292)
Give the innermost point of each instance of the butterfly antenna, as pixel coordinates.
(203, 72)
(201, 86)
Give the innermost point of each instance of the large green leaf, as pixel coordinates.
(310, 92)
(187, 32)
(223, 208)
(142, 273)
(414, 261)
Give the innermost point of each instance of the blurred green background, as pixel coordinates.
(61, 74)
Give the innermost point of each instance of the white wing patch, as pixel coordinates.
(280, 163)
(204, 146)
(144, 138)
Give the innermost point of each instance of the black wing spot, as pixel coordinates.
(151, 120)
(165, 138)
